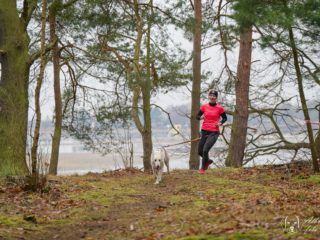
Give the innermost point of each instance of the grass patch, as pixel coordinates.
(201, 203)
(314, 179)
(12, 221)
(202, 238)
(254, 234)
(222, 204)
(304, 180)
(105, 192)
(226, 170)
(259, 233)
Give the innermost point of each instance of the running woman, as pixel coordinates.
(210, 132)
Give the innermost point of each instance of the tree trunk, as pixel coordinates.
(317, 143)
(147, 133)
(317, 140)
(36, 133)
(146, 98)
(142, 85)
(196, 84)
(13, 91)
(303, 101)
(145, 130)
(57, 94)
(240, 117)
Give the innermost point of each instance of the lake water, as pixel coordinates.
(74, 159)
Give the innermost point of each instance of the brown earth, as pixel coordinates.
(254, 203)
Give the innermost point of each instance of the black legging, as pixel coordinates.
(208, 139)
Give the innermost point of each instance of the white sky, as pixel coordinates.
(181, 95)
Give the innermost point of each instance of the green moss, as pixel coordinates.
(94, 196)
(251, 235)
(13, 221)
(305, 180)
(313, 179)
(62, 222)
(105, 192)
(226, 170)
(200, 203)
(239, 188)
(13, 92)
(192, 205)
(176, 199)
(202, 238)
(8, 221)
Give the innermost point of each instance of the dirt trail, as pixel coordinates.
(255, 203)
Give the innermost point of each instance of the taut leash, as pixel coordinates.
(311, 122)
(193, 140)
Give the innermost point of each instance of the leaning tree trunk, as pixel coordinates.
(13, 91)
(196, 83)
(53, 169)
(36, 135)
(303, 100)
(240, 117)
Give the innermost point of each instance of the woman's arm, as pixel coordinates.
(224, 118)
(200, 113)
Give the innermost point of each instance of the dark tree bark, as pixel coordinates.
(143, 87)
(146, 100)
(317, 140)
(55, 147)
(240, 117)
(196, 84)
(13, 88)
(317, 143)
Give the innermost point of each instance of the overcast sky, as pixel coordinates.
(182, 95)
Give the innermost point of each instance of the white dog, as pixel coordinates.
(158, 159)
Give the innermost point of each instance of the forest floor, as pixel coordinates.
(250, 203)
